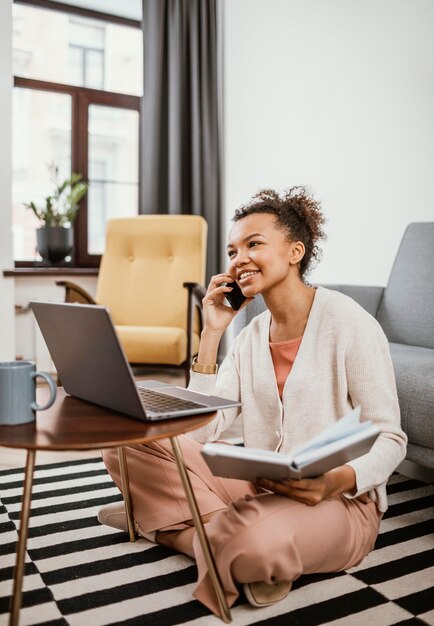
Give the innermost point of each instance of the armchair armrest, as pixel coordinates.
(368, 297)
(75, 293)
(196, 290)
(196, 293)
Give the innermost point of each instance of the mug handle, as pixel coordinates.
(53, 391)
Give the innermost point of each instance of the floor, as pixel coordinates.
(80, 572)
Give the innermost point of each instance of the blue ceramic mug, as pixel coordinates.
(18, 392)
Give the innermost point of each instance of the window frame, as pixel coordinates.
(75, 10)
(81, 99)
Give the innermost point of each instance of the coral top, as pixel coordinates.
(283, 354)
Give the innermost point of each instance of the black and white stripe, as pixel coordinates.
(79, 572)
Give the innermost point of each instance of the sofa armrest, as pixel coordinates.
(368, 297)
(75, 293)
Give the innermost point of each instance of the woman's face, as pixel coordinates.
(260, 255)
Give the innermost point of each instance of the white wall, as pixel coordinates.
(7, 347)
(337, 95)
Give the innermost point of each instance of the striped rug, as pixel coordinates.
(81, 573)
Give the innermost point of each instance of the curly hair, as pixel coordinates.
(297, 213)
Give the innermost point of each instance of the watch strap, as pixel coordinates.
(202, 368)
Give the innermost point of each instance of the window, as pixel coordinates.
(79, 108)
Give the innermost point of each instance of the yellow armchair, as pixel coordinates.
(149, 261)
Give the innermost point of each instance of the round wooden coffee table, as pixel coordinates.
(73, 424)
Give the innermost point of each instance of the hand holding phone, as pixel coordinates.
(235, 297)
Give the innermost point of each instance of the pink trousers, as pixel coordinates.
(256, 536)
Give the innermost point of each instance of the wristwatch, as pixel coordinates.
(200, 368)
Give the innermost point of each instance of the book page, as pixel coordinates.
(362, 440)
(344, 427)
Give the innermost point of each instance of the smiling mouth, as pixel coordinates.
(243, 276)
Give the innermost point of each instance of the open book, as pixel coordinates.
(345, 440)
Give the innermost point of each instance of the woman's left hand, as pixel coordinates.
(311, 491)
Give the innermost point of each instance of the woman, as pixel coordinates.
(297, 368)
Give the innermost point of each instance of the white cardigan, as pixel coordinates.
(343, 361)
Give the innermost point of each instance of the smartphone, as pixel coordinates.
(235, 297)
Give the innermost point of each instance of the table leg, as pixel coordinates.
(201, 532)
(126, 492)
(22, 540)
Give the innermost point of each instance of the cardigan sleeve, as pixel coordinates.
(371, 384)
(227, 385)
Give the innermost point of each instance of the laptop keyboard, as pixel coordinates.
(160, 403)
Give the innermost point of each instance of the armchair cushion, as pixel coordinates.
(162, 345)
(146, 261)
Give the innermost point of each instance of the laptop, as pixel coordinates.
(92, 366)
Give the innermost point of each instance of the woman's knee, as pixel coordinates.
(245, 535)
(244, 528)
(257, 554)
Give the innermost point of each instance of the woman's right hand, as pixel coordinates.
(217, 315)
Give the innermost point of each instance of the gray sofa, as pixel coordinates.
(405, 310)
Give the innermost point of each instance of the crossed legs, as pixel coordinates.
(253, 536)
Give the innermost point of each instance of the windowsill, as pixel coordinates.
(50, 271)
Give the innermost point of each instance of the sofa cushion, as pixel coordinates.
(406, 311)
(420, 455)
(414, 372)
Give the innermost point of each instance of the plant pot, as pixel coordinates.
(54, 243)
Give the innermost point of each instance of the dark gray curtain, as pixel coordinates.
(180, 125)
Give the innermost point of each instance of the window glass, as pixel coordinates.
(76, 65)
(85, 34)
(41, 134)
(94, 69)
(113, 169)
(57, 47)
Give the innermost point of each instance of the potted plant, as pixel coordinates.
(55, 238)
